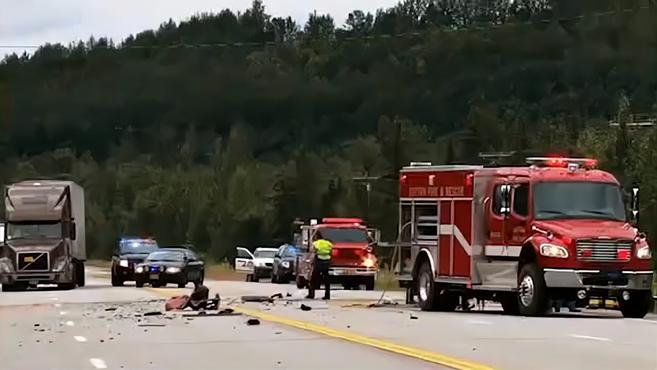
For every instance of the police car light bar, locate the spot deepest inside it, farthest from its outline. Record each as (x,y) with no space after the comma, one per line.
(563,162)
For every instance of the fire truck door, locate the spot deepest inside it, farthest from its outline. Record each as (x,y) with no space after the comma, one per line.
(516,222)
(496,218)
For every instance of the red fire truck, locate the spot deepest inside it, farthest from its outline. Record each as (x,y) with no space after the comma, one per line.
(554,229)
(353,262)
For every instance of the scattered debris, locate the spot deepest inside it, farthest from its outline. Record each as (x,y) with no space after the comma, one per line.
(256,298)
(252,322)
(110,309)
(288,294)
(36,325)
(277,295)
(102,341)
(151,325)
(348,326)
(153,313)
(413,317)
(226,311)
(303,307)
(278,332)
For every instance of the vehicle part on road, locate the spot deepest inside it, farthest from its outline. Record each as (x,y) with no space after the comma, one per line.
(257,298)
(251,322)
(303,307)
(554,229)
(151,325)
(153,313)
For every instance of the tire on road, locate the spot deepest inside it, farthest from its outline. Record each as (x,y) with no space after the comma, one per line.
(81,275)
(71,285)
(16,287)
(301,282)
(637,306)
(369,283)
(139,283)
(509,302)
(116,281)
(429,298)
(532,291)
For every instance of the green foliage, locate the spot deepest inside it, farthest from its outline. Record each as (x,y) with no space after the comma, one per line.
(227,144)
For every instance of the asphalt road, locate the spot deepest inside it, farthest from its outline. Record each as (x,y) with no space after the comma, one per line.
(100,326)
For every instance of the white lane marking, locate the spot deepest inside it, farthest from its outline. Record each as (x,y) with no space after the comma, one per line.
(479,322)
(57,305)
(70,323)
(80,338)
(63,313)
(590,337)
(98,363)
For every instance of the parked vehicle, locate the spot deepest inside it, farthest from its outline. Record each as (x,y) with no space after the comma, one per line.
(555,229)
(129,253)
(170,266)
(256,265)
(353,262)
(44,236)
(284,264)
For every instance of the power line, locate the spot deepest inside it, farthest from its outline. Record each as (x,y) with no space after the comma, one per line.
(364,37)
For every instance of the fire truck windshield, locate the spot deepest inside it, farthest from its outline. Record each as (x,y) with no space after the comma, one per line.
(578,200)
(344,235)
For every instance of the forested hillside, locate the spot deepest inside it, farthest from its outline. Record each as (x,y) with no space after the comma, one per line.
(222,129)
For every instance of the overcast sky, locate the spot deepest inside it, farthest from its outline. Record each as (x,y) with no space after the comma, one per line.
(35,22)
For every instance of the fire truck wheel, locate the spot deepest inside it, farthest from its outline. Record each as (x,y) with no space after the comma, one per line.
(369,284)
(426,292)
(301,282)
(637,306)
(532,291)
(81,274)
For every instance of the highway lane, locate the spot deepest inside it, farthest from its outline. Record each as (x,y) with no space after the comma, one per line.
(99,327)
(85,336)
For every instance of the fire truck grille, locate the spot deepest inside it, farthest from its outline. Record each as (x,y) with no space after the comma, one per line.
(604,250)
(32,261)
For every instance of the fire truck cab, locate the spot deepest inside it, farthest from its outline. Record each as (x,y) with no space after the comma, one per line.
(554,229)
(353,262)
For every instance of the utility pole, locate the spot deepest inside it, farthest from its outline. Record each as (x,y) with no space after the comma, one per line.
(367,182)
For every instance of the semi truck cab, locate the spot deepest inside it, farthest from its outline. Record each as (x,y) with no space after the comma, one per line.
(44,235)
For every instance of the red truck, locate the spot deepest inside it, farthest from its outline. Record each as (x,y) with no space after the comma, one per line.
(353,262)
(526,236)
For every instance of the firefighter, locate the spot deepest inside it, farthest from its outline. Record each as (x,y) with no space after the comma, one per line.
(321,263)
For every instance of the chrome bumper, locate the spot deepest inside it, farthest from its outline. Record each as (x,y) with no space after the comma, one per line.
(352,271)
(595,279)
(35,278)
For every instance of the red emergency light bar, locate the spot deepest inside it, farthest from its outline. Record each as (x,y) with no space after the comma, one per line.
(336,220)
(562,162)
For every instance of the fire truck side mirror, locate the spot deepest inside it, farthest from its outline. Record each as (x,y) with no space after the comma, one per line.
(505,204)
(374,236)
(634,204)
(2,233)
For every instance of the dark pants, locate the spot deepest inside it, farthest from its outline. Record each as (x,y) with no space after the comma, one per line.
(320,275)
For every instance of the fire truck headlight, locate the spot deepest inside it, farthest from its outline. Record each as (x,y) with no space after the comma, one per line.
(552,250)
(124,263)
(643,251)
(139,269)
(369,262)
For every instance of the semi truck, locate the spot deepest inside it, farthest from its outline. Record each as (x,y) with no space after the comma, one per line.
(353,263)
(553,229)
(43,241)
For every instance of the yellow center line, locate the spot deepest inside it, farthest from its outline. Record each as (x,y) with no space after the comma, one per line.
(433,357)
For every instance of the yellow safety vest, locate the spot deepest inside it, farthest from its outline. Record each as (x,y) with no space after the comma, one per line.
(323,249)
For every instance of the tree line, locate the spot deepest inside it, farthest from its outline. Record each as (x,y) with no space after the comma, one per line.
(221,129)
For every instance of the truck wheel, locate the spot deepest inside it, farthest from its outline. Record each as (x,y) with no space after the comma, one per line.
(301,282)
(274,278)
(16,287)
(182,285)
(283,279)
(255,278)
(638,305)
(139,283)
(81,274)
(369,283)
(532,291)
(426,289)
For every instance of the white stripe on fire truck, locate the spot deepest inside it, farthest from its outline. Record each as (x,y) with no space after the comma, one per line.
(490,250)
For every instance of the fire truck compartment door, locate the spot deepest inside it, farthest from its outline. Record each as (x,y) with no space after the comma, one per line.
(244,261)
